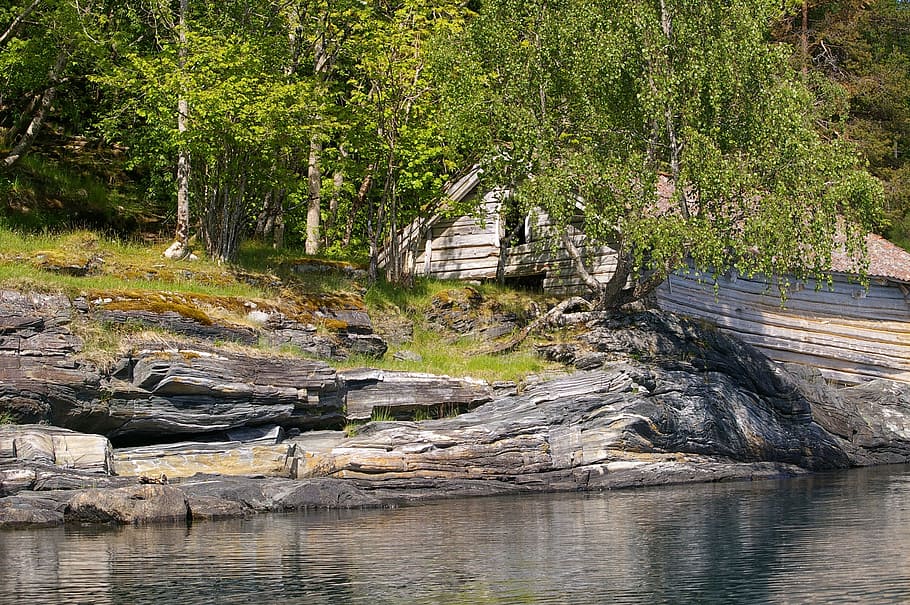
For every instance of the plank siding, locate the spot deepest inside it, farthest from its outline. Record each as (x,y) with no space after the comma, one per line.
(849,335)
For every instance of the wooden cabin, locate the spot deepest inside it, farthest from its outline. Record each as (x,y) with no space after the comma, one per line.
(488,246)
(850,333)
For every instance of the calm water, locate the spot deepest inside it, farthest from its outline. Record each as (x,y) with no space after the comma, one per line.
(842,538)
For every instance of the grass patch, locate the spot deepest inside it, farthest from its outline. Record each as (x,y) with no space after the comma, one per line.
(381,415)
(458,359)
(131,275)
(72,189)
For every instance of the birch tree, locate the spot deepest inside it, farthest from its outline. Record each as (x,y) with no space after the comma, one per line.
(676,130)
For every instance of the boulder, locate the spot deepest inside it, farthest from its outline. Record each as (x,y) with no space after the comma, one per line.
(677,400)
(186,459)
(872,419)
(252,494)
(159,392)
(29,512)
(135,504)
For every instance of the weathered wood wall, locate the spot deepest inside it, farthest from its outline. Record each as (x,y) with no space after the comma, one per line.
(465,247)
(852,335)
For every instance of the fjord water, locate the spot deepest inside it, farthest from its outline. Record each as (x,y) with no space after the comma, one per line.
(833,538)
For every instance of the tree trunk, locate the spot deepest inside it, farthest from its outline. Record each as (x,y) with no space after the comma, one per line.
(804,39)
(314,176)
(224,187)
(359,201)
(17,21)
(180,247)
(37,121)
(337,186)
(590,281)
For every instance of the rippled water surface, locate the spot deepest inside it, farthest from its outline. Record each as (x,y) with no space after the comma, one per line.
(841,538)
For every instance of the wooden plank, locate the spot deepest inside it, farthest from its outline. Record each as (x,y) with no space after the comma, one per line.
(815,303)
(468,241)
(461,265)
(890,297)
(736,305)
(848,351)
(467,274)
(847,370)
(870,336)
(456,254)
(854,349)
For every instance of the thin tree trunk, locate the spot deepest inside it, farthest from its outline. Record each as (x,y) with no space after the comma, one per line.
(805,38)
(666,24)
(337,186)
(322,68)
(34,127)
(182,234)
(22,121)
(362,193)
(590,281)
(314,175)
(19,19)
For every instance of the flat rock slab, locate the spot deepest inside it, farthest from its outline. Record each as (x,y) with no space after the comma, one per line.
(55,446)
(403,393)
(187,459)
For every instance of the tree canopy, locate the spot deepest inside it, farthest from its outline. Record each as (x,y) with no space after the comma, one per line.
(678,131)
(674,128)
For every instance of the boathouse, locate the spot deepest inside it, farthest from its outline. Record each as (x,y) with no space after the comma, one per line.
(851,333)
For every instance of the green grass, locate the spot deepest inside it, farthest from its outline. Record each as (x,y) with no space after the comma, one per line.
(458,359)
(381,415)
(76,190)
(31,261)
(125,265)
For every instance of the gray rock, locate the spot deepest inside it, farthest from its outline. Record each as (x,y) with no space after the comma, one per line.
(128,505)
(50,445)
(187,392)
(403,393)
(20,512)
(209,508)
(176,323)
(872,420)
(689,404)
(407,356)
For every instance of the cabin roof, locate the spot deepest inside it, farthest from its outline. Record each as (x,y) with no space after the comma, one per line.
(886,260)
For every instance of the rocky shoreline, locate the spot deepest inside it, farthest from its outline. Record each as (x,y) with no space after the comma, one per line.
(654,399)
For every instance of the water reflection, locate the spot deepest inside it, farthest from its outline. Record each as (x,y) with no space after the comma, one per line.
(839,538)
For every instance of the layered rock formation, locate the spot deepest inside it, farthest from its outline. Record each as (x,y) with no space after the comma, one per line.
(662,400)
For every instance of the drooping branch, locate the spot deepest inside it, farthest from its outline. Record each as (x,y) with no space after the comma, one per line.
(590,281)
(47,101)
(550,318)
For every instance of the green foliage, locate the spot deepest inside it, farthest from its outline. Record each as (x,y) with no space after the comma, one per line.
(859,53)
(677,127)
(380,414)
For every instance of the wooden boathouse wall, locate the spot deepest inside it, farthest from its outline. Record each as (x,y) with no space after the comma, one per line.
(852,335)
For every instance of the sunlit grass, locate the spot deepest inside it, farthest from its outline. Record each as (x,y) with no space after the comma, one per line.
(39,262)
(459,358)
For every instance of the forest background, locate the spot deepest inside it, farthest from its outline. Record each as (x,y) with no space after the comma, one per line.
(329,124)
